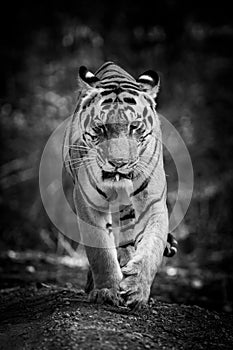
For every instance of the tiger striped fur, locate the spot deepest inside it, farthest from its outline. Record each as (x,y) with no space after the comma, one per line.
(113,151)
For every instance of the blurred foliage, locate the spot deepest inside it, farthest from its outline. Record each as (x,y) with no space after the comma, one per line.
(191,48)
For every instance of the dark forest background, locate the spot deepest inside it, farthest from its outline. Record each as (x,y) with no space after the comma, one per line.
(190,44)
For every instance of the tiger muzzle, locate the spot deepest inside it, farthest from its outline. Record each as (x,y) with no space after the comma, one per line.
(116,175)
(119,158)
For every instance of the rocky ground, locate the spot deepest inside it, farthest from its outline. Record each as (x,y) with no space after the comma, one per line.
(45,317)
(43,306)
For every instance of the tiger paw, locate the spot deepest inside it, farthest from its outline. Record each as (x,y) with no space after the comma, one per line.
(105,296)
(135,287)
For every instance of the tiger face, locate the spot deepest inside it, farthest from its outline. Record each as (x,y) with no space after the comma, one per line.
(117,125)
(117,153)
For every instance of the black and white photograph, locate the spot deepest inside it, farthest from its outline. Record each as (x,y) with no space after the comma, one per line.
(116,175)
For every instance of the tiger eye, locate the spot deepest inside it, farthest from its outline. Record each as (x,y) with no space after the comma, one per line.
(135,124)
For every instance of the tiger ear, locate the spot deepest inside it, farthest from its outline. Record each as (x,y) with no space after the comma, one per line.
(86,79)
(150,82)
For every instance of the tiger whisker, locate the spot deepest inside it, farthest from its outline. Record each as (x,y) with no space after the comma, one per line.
(143,162)
(81,149)
(82,160)
(146,157)
(146,171)
(144,166)
(87,165)
(143,171)
(76,146)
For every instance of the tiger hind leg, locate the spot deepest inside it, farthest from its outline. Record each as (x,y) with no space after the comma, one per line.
(90,283)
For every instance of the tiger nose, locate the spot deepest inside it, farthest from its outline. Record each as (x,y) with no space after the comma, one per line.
(117,163)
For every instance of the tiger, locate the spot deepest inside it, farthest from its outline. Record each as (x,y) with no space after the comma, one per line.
(113,151)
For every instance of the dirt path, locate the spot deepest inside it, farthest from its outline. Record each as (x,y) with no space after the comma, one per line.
(43,317)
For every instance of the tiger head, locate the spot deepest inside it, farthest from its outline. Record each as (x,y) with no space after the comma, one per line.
(115,126)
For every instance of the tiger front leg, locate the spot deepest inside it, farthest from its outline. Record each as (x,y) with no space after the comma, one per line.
(106,274)
(139,273)
(102,256)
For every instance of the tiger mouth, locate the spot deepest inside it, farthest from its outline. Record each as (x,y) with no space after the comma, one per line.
(116,175)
